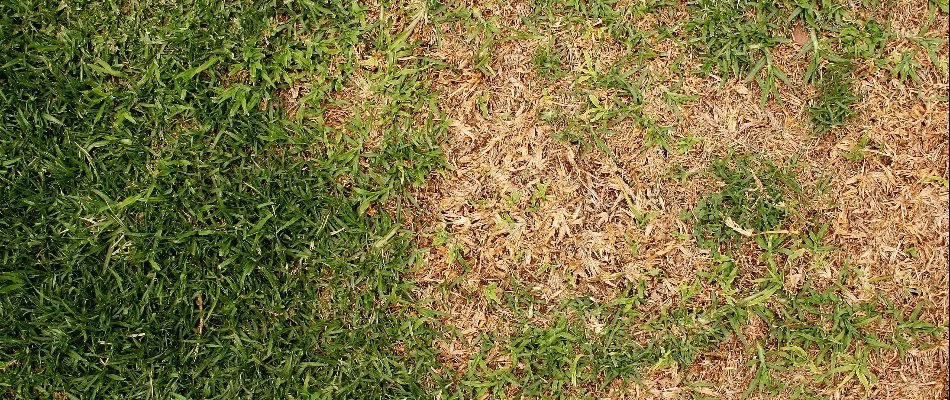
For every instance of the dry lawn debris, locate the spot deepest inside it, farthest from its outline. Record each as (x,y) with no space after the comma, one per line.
(517,207)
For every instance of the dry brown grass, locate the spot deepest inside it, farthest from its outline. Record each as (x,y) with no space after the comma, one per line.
(878,207)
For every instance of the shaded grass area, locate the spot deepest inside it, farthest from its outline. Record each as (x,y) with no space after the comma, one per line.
(168,231)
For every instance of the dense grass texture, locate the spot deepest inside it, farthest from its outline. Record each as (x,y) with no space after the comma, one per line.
(167,230)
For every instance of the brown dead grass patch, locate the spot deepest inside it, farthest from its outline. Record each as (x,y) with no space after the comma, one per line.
(576,241)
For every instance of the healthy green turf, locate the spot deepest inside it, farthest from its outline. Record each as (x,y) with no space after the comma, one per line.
(166,230)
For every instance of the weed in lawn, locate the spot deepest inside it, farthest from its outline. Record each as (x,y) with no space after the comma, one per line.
(866,40)
(489,30)
(821,15)
(675,100)
(905,66)
(933,46)
(859,150)
(619,20)
(538,196)
(684,145)
(581,134)
(942,5)
(578,11)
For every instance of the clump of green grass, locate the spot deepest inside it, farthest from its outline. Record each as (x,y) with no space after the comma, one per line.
(756,197)
(836,98)
(548,63)
(819,14)
(735,39)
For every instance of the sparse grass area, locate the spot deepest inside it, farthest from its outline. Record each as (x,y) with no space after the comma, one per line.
(641,199)
(815,336)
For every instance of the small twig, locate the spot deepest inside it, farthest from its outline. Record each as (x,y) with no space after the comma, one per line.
(201,318)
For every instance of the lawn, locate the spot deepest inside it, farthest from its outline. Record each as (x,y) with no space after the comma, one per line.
(532,199)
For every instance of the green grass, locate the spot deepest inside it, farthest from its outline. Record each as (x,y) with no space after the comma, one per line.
(733,36)
(836,99)
(735,40)
(547,62)
(820,14)
(758,196)
(168,231)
